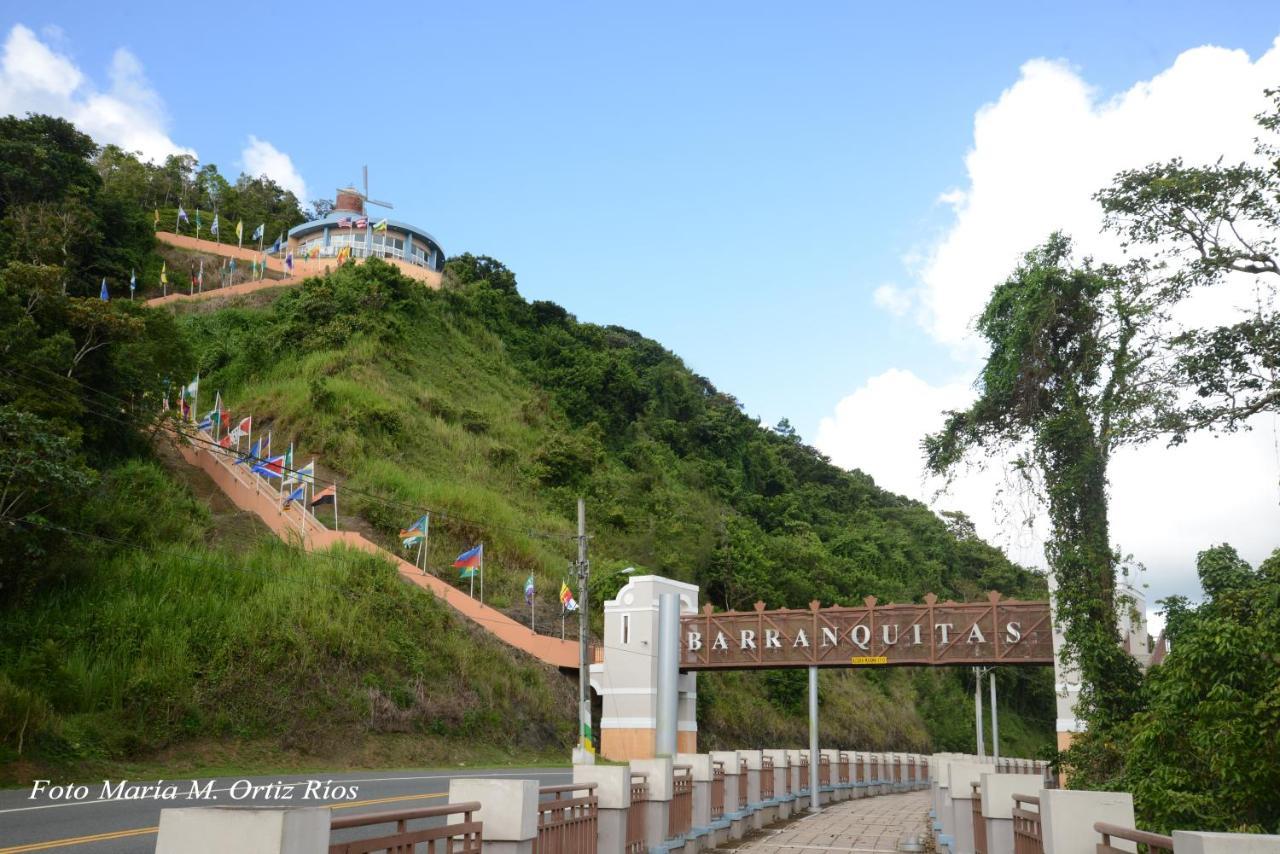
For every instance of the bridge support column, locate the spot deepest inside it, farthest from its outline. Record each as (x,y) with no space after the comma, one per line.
(815,796)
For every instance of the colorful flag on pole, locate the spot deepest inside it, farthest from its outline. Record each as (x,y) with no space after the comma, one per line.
(164,272)
(102,294)
(275,247)
(242,429)
(225,441)
(288,261)
(566,598)
(251,454)
(362,222)
(182,215)
(328,495)
(213,229)
(344,222)
(273,467)
(528,589)
(240,231)
(306,474)
(258,232)
(411,535)
(133,280)
(380,225)
(295,495)
(469,561)
(192,388)
(156,224)
(197,218)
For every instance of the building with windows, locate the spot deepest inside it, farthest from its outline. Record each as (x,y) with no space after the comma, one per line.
(348,226)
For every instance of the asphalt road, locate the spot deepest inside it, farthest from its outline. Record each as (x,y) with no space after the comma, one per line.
(94,825)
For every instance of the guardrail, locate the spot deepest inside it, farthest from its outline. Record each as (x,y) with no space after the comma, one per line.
(717,791)
(635,813)
(804,774)
(743,800)
(766,779)
(1027,835)
(824,770)
(680,814)
(846,772)
(462,837)
(979,823)
(566,825)
(1155,842)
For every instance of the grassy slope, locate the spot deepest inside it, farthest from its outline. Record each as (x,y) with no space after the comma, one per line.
(447,419)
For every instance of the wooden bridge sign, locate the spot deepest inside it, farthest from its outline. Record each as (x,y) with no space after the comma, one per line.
(931,634)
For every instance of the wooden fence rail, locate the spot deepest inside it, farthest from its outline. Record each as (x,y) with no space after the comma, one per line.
(459,837)
(680,814)
(1027,837)
(1155,842)
(567,821)
(717,791)
(766,779)
(979,823)
(635,813)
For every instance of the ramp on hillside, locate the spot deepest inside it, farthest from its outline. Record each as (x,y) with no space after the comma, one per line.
(297,525)
(303,268)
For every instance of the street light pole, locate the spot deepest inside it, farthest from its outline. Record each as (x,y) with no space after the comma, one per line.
(585,753)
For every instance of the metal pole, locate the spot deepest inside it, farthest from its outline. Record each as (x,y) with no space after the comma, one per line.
(586,749)
(995,720)
(977,710)
(668,652)
(815,796)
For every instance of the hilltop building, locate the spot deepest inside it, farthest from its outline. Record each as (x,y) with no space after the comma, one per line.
(349,226)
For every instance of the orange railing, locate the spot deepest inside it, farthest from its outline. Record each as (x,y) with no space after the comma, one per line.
(460,837)
(635,813)
(717,791)
(742,785)
(567,822)
(979,823)
(1154,841)
(680,814)
(766,779)
(824,770)
(804,773)
(1027,837)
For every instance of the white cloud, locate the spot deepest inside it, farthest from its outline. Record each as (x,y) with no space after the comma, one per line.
(1039,153)
(36,78)
(262,158)
(892,299)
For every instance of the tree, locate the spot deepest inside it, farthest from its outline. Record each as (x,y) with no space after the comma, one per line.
(1069,378)
(1200,225)
(1205,750)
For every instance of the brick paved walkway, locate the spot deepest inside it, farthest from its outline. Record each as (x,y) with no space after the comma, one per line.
(852,827)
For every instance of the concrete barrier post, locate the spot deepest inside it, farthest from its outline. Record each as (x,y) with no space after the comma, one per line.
(1064,814)
(997,806)
(755,767)
(1196,842)
(508,811)
(837,791)
(960,779)
(251,830)
(660,791)
(613,802)
(732,772)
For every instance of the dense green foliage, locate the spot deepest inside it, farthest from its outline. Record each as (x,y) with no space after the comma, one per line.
(493,412)
(175,638)
(1204,751)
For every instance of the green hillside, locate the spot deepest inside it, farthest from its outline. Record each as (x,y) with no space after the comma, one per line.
(144,620)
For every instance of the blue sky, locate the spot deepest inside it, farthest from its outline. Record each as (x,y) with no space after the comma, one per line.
(760,187)
(733,180)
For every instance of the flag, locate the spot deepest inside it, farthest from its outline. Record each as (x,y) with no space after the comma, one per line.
(213,229)
(157,222)
(164,272)
(296,495)
(273,467)
(182,215)
(415,532)
(225,441)
(528,589)
(185,409)
(362,222)
(206,423)
(192,388)
(240,230)
(133,280)
(469,560)
(251,454)
(197,217)
(306,474)
(275,247)
(328,495)
(288,261)
(344,222)
(242,429)
(200,278)
(102,294)
(380,225)
(566,598)
(257,232)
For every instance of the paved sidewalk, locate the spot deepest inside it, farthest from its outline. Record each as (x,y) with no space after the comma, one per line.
(866,825)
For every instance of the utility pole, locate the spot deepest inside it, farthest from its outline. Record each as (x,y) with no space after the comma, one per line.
(995,719)
(585,753)
(977,711)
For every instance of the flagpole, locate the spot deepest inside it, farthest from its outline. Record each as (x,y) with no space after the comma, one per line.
(418,562)
(426,543)
(482,572)
(335,507)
